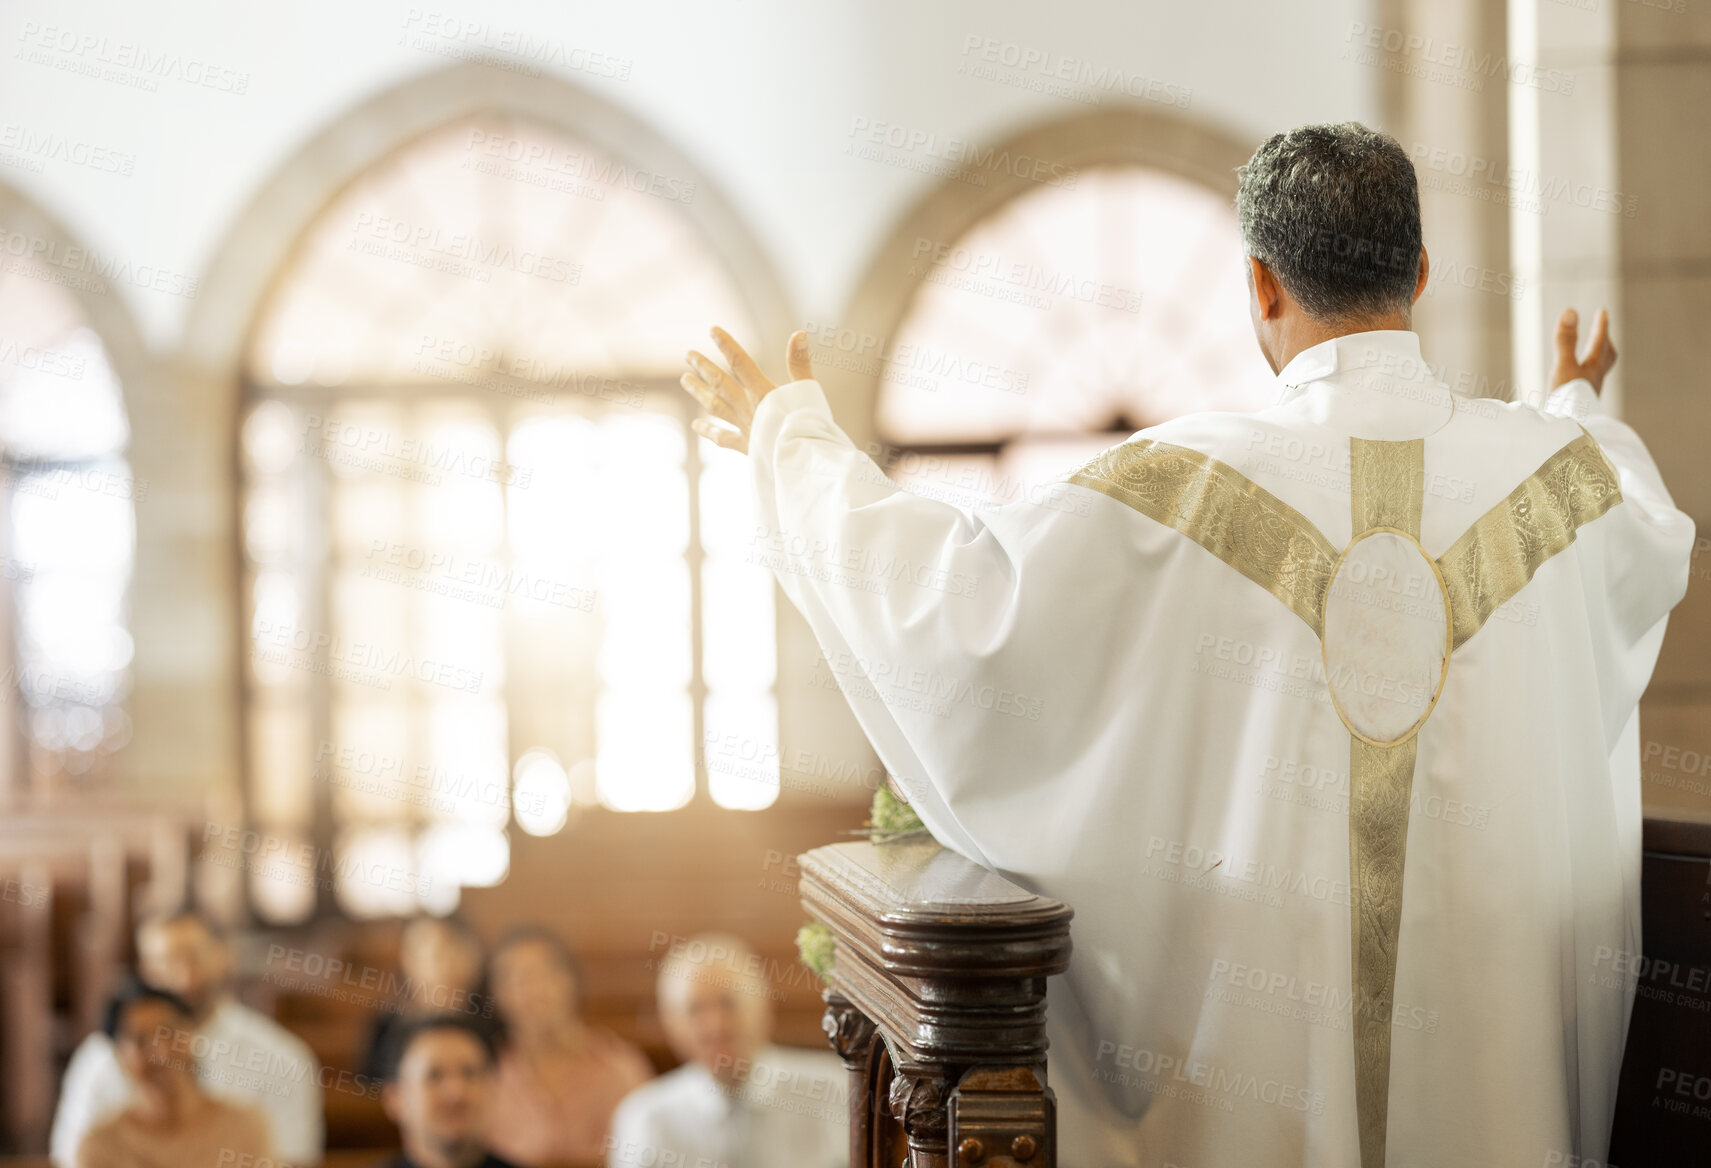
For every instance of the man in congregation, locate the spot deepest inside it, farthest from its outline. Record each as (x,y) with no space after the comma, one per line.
(439,1091)
(242,1056)
(1337,755)
(738,1101)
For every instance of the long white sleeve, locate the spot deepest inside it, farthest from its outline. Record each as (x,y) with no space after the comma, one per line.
(1645,548)
(950,632)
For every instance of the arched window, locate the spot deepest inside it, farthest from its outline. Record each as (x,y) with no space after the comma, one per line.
(489,575)
(1059,319)
(69,536)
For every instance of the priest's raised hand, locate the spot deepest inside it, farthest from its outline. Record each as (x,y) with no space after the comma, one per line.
(731,396)
(1600,351)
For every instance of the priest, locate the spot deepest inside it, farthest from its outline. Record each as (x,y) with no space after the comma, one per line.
(1335,749)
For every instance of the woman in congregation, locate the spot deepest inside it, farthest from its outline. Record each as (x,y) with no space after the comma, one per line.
(559,1078)
(171,1122)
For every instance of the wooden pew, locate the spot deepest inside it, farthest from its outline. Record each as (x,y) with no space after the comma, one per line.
(72,881)
(26,979)
(1663,1103)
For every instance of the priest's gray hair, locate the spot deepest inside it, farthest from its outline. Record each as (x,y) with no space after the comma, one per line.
(1334,212)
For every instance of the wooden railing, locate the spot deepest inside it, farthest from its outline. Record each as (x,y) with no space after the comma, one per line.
(67,907)
(936,1002)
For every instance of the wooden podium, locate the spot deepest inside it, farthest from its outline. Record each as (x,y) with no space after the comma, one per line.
(937,1004)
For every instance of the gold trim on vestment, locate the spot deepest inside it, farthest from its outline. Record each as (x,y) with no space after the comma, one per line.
(1386,493)
(1225,512)
(1496,557)
(1387,486)
(1278,548)
(1381,783)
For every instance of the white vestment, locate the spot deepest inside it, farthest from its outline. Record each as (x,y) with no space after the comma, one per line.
(1150,691)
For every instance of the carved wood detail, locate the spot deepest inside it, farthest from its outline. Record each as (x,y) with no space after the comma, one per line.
(936,1003)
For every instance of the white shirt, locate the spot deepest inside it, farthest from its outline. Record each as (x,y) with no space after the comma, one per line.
(1079,693)
(792,1111)
(241,1056)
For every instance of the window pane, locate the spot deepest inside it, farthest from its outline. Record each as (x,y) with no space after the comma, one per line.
(281,774)
(362,439)
(737,642)
(645,760)
(370,523)
(644,500)
(741,753)
(71,550)
(272,436)
(271,525)
(1067,307)
(458,508)
(552,513)
(727,505)
(541,794)
(469,771)
(376,873)
(279,656)
(282,884)
(62,401)
(470,855)
(450,264)
(455,647)
(369,645)
(646,632)
(368,765)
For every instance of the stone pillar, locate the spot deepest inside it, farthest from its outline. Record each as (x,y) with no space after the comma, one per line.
(1660,101)
(1446,100)
(1611,165)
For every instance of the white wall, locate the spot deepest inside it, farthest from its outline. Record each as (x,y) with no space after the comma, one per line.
(763,94)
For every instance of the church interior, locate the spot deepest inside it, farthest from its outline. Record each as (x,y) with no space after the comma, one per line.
(361,569)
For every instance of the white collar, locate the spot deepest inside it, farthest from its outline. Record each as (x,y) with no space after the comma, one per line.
(1376,382)
(1396,352)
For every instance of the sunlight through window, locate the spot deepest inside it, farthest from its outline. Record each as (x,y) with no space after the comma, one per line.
(475,585)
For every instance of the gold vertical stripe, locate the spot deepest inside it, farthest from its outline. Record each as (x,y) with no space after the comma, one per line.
(1387,484)
(1496,557)
(1225,512)
(1381,781)
(1386,489)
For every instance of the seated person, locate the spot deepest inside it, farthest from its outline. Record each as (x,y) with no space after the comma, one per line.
(170,1120)
(242,1056)
(439,1088)
(441,961)
(559,1078)
(737,1101)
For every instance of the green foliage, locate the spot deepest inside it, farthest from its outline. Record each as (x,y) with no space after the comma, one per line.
(891,818)
(814,947)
